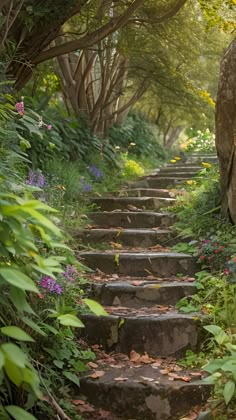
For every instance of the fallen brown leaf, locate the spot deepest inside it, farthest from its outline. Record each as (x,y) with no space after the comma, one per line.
(134,356)
(97,374)
(146,359)
(78,402)
(121,379)
(92,365)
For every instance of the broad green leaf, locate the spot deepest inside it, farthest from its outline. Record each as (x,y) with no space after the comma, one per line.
(58,363)
(214,365)
(33,325)
(2,359)
(14,354)
(70,321)
(18,299)
(228,392)
(18,279)
(13,372)
(95,307)
(16,333)
(72,377)
(213,329)
(18,413)
(30,377)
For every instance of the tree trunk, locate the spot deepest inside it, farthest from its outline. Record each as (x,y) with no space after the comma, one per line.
(226,131)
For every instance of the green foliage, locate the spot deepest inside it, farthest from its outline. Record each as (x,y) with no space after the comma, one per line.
(198,141)
(222,369)
(29,247)
(198,208)
(137,136)
(131,169)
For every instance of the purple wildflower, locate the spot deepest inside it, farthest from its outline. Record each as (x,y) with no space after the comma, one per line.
(95,171)
(36,179)
(85,186)
(70,273)
(51,285)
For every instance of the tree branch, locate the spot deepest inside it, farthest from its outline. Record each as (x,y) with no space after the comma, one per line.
(91,38)
(171,13)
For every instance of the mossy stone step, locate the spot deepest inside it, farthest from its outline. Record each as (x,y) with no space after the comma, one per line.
(161,182)
(139,238)
(126,294)
(141,192)
(148,203)
(178,169)
(138,264)
(128,219)
(136,398)
(171,174)
(160,335)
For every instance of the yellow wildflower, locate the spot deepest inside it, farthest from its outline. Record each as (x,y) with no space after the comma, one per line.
(190,182)
(206,165)
(177,158)
(60,187)
(172,161)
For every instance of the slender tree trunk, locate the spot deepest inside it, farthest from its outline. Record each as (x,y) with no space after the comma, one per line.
(226,131)
(173,136)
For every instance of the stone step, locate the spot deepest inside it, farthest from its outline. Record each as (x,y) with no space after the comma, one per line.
(177,169)
(128,219)
(210,159)
(158,334)
(123,293)
(158,182)
(139,264)
(204,155)
(128,237)
(186,165)
(172,174)
(139,399)
(141,192)
(146,203)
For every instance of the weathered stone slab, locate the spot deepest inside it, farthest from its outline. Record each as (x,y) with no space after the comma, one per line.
(146,203)
(139,238)
(138,399)
(146,192)
(164,335)
(141,264)
(126,294)
(130,219)
(161,182)
(178,169)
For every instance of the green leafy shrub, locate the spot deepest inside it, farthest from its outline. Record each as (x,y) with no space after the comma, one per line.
(199,141)
(137,136)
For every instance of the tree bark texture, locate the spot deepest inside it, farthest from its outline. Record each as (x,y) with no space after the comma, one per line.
(226,131)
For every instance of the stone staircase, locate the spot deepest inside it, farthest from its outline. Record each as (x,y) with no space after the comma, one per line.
(139,282)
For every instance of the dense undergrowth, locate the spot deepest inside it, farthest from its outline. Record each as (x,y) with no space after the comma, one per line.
(213,243)
(50,168)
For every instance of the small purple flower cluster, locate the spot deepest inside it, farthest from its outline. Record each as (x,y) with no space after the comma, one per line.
(95,171)
(51,285)
(86,187)
(37,179)
(70,273)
